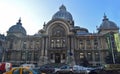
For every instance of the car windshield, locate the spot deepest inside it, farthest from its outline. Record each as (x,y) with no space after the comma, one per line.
(25,71)
(17,71)
(65,67)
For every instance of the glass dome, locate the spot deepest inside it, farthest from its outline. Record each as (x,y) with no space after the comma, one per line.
(106,24)
(17,28)
(63,14)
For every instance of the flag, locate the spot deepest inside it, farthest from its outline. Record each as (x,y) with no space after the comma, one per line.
(117,41)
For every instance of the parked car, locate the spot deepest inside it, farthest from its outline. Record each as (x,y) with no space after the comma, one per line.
(64,69)
(36,69)
(81,69)
(21,70)
(28,65)
(46,69)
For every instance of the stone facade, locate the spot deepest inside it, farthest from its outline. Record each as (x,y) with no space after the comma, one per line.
(60,41)
(2,45)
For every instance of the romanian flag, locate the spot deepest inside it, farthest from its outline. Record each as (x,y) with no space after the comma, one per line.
(117,41)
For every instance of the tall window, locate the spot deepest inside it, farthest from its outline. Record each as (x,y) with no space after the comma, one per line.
(81,44)
(23,56)
(24,45)
(57,42)
(95,42)
(81,55)
(88,42)
(63,42)
(11,44)
(51,56)
(89,56)
(37,45)
(31,44)
(36,56)
(97,56)
(63,56)
(29,56)
(52,43)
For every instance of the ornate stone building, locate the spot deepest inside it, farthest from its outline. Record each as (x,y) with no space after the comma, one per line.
(60,41)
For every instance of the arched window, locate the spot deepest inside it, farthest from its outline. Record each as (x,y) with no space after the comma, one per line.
(58,31)
(58,35)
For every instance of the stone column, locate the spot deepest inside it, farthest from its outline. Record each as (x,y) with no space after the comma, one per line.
(70,58)
(45,50)
(43,58)
(72,49)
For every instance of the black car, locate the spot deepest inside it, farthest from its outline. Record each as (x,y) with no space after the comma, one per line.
(46,69)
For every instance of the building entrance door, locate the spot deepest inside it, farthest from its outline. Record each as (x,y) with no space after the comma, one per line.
(57,58)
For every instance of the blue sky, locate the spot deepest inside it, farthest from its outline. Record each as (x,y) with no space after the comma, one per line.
(33,13)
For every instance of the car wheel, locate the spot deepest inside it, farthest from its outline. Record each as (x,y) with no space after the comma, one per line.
(57,72)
